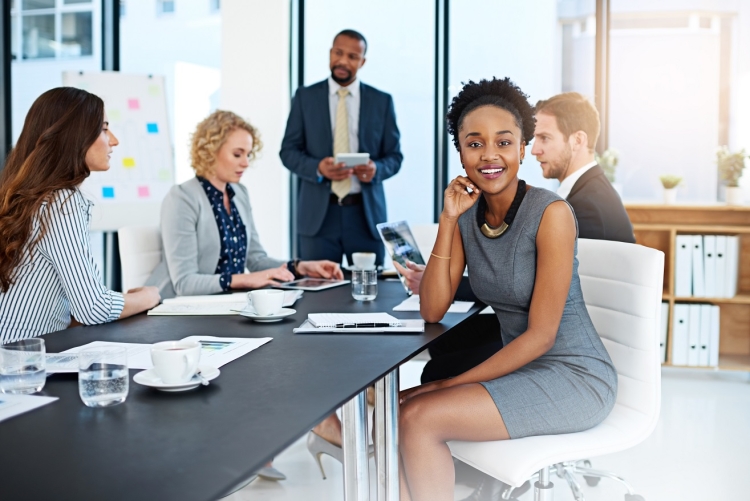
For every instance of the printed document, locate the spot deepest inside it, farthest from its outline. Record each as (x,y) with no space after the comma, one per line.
(412,304)
(215,304)
(13,405)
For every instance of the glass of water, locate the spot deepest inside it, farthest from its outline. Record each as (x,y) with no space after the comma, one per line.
(103,376)
(22,366)
(364,285)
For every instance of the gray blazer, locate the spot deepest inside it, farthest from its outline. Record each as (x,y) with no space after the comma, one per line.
(191,242)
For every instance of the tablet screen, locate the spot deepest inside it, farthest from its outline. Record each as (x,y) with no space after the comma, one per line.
(400,242)
(312,284)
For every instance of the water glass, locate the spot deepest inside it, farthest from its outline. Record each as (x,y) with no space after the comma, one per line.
(103,376)
(22,366)
(364,285)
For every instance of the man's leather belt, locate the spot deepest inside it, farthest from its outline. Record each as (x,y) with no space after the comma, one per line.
(350,199)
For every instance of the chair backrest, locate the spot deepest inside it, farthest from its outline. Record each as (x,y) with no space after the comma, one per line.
(425,235)
(140,252)
(622,287)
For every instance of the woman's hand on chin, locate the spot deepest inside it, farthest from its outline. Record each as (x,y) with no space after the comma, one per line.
(320,269)
(424,388)
(457,199)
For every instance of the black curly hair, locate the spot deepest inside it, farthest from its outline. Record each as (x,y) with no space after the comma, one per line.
(500,93)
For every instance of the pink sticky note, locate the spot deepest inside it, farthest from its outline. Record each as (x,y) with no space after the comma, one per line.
(134,104)
(143,192)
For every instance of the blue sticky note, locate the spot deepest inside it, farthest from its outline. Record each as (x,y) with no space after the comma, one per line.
(108,192)
(152,128)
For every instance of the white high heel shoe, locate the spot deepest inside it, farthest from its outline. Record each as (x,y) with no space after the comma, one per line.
(318,446)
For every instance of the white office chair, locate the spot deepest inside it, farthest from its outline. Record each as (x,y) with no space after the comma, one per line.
(622,287)
(140,252)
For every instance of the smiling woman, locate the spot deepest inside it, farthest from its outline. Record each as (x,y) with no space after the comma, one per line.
(553,374)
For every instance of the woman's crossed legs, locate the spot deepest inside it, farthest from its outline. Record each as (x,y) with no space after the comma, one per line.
(431,419)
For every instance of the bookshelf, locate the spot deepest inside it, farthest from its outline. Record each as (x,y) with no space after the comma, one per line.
(657,226)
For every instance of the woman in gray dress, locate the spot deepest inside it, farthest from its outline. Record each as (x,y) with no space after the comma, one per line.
(553,374)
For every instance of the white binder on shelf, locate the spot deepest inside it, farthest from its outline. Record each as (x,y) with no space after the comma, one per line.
(721,265)
(704,342)
(713,345)
(699,287)
(709,265)
(732,265)
(694,334)
(664,328)
(680,321)
(683,269)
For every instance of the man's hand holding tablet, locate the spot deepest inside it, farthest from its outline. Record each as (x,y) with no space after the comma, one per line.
(362,167)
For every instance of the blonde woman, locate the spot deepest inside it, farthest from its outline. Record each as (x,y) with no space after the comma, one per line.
(208,233)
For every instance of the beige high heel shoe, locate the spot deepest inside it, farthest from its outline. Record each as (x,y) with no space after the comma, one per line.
(318,446)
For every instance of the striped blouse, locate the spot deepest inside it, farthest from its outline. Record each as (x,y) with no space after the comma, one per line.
(60,278)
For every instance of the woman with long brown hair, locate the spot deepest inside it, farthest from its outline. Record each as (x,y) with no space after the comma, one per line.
(47,272)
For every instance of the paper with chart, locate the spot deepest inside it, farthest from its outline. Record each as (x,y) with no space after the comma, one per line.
(216,352)
(13,405)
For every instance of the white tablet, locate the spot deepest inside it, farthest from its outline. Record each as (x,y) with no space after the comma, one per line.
(352,160)
(401,245)
(311,284)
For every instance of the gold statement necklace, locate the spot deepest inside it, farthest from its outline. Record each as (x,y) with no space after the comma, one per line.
(487,230)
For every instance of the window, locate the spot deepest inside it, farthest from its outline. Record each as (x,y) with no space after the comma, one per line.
(544,48)
(39,36)
(76,34)
(215,5)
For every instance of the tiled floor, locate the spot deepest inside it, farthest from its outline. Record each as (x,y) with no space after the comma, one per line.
(700,450)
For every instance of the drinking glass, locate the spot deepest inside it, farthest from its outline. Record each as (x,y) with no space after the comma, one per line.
(22,366)
(103,376)
(364,285)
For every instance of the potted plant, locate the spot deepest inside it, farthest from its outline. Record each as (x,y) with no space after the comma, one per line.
(670,183)
(730,170)
(608,162)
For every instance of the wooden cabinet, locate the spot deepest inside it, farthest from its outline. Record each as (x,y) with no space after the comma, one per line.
(657,226)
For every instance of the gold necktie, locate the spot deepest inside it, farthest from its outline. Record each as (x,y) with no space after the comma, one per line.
(341,142)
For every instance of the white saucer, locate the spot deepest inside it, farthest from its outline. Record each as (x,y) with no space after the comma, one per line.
(282,313)
(150,378)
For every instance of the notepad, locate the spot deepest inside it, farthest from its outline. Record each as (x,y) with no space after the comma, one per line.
(412,304)
(333,320)
(411,326)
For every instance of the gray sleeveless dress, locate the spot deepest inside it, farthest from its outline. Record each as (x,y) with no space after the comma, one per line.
(573,386)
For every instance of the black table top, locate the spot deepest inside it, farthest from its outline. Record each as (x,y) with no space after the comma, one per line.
(201,443)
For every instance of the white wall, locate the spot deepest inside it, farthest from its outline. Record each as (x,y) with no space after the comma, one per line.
(255,85)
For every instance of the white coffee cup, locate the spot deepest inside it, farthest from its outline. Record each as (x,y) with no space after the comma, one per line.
(364,260)
(176,361)
(267,302)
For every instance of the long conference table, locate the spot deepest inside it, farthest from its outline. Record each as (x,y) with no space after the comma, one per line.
(204,443)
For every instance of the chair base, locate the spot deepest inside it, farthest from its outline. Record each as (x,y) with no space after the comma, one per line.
(544,488)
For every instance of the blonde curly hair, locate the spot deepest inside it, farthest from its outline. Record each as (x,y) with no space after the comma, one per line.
(211,134)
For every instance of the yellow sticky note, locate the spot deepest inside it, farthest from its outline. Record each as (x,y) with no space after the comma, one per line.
(164,175)
(128,162)
(114,115)
(154,90)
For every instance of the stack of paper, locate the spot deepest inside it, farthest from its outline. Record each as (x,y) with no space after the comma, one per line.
(217,304)
(412,304)
(359,323)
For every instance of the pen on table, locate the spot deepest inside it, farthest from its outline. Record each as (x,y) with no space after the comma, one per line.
(364,325)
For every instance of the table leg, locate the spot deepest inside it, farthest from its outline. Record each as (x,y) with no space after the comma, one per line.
(386,436)
(356,457)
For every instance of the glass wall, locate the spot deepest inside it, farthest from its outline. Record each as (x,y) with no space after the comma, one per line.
(543,46)
(678,90)
(48,38)
(182,41)
(400,61)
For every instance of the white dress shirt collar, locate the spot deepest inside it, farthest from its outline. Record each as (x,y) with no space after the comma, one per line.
(333,87)
(567,185)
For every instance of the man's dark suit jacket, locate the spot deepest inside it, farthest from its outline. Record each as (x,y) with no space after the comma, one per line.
(598,208)
(308,139)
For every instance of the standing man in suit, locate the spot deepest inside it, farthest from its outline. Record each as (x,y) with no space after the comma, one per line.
(567,127)
(338,207)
